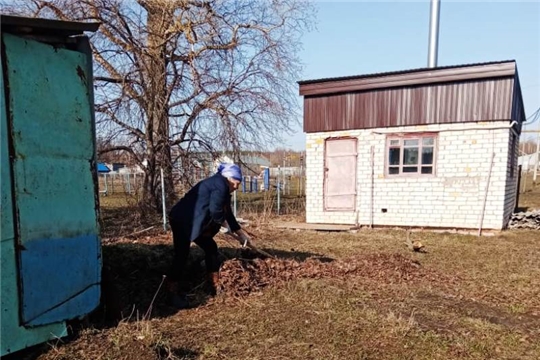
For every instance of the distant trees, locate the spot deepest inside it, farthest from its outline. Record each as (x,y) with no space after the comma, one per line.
(286,157)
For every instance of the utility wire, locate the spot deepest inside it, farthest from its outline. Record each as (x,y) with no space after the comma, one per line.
(533,118)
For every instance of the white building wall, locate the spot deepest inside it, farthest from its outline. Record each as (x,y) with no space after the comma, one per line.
(453,198)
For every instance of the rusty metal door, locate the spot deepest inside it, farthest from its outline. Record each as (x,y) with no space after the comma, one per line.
(340,174)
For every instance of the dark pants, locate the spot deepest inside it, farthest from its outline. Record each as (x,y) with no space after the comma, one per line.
(182,245)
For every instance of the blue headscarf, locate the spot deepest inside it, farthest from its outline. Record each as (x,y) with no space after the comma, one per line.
(230,171)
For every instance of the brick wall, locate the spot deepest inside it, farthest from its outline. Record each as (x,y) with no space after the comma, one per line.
(453,198)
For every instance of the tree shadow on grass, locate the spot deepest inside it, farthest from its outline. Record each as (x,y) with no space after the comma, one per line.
(134,274)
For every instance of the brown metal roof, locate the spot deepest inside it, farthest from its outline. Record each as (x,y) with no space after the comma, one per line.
(411,77)
(39,26)
(451,94)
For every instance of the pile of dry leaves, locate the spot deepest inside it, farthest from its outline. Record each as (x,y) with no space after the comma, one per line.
(240,277)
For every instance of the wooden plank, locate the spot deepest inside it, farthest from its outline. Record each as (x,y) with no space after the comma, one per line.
(316,227)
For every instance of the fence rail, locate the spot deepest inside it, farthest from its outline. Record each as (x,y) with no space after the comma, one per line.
(282,193)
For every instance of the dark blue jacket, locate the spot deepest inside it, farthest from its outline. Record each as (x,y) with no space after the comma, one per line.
(205,207)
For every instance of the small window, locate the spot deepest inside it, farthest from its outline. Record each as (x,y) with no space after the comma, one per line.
(411,155)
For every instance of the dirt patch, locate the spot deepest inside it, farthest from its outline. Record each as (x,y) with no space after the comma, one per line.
(438,324)
(240,277)
(474,309)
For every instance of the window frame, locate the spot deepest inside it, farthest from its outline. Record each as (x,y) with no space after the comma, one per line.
(409,136)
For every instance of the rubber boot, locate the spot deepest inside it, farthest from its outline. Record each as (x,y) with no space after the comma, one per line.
(177,300)
(213,280)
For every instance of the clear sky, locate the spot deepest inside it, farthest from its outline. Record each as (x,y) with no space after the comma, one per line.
(362,37)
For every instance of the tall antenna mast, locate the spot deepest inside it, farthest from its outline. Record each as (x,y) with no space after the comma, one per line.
(434,33)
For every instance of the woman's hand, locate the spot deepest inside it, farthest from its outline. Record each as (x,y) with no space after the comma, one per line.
(225,224)
(243,237)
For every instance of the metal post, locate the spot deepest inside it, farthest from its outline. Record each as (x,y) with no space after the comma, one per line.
(278,190)
(524,188)
(537,159)
(298,188)
(372,195)
(163,201)
(486,195)
(301,178)
(434,33)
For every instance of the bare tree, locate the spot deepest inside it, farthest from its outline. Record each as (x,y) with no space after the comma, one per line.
(189,75)
(114,152)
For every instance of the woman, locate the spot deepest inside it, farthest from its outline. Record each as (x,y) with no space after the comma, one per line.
(197,218)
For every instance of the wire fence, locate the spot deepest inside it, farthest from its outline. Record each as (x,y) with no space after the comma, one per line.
(528,180)
(273,192)
(120,183)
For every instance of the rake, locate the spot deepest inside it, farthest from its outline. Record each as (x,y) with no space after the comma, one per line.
(248,244)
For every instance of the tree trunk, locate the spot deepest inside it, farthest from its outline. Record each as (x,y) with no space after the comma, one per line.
(157,134)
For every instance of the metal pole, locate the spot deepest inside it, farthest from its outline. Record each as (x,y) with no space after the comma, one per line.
(537,159)
(434,33)
(486,195)
(163,201)
(299,189)
(301,178)
(524,188)
(372,195)
(278,190)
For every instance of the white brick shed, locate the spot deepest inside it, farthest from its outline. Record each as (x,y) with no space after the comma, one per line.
(434,148)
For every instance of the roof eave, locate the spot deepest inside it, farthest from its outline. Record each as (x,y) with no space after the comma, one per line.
(26,25)
(422,77)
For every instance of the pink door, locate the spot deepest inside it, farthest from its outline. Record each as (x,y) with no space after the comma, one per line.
(340,174)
